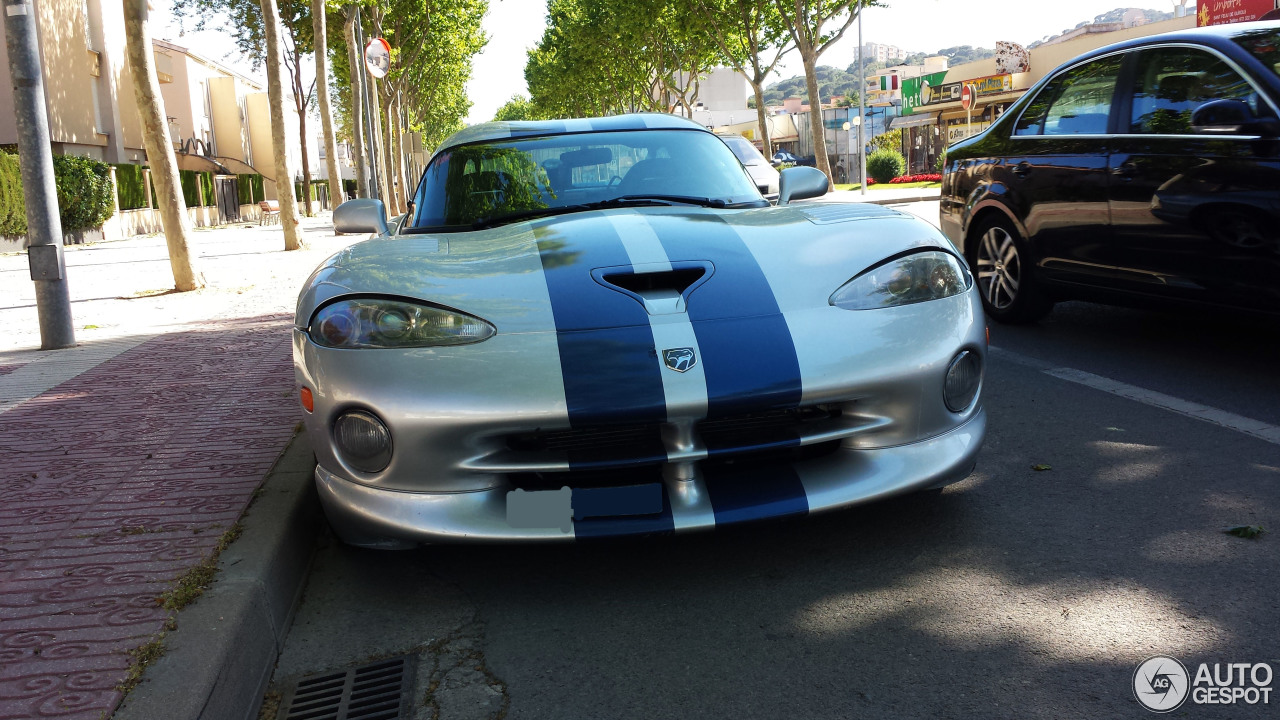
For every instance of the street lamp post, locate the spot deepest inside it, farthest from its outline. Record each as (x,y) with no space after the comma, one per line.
(862,109)
(35,160)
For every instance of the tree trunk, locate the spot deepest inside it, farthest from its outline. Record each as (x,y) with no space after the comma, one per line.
(765,143)
(300,103)
(358,146)
(401,171)
(159,146)
(819,132)
(275,94)
(321,42)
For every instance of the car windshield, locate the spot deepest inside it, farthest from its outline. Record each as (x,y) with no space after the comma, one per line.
(1264,44)
(480,184)
(745,151)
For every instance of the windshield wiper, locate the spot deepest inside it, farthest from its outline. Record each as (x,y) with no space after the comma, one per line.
(682,199)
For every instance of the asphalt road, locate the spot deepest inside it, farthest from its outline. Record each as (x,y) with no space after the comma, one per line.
(1015,594)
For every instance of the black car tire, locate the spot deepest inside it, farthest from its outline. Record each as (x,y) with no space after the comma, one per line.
(1010,291)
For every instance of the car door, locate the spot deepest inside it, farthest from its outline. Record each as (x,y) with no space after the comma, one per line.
(1194,215)
(1056,169)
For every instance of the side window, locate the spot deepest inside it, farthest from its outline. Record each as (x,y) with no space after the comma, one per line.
(1172,82)
(1077,102)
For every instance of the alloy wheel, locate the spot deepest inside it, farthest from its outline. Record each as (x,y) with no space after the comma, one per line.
(999,268)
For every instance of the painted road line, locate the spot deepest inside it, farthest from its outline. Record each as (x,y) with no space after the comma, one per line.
(1239,423)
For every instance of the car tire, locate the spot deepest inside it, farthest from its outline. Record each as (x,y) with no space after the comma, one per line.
(1009,289)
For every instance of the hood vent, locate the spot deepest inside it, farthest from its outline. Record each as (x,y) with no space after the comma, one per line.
(662,290)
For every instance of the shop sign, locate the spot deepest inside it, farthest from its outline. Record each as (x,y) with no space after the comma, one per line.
(1222,12)
(983,86)
(956,133)
(914,90)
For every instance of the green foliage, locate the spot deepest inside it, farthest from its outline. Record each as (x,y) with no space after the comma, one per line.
(190,187)
(206,189)
(831,82)
(891,140)
(885,165)
(13,212)
(84,193)
(602,56)
(249,189)
(131,186)
(348,188)
(517,108)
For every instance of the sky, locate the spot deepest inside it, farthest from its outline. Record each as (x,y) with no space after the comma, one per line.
(514,26)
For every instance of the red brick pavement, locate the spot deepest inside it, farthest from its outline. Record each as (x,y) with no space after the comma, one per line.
(115,483)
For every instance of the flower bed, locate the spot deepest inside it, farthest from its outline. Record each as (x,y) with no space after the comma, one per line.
(924,177)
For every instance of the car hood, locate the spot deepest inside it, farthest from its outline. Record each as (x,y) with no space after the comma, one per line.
(617,268)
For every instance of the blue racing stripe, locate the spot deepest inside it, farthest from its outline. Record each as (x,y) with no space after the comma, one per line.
(748,356)
(607,354)
(745,491)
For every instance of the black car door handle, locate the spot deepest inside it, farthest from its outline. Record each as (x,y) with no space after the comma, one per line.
(1022,169)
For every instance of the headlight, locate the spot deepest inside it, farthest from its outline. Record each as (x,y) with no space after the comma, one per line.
(380,323)
(929,275)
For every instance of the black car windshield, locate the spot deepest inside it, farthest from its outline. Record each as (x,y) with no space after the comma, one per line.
(1264,45)
(479,184)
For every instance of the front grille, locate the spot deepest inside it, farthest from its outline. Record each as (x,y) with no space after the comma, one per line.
(613,448)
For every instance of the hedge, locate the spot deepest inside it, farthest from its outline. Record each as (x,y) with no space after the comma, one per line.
(131,186)
(13,214)
(885,165)
(84,193)
(249,189)
(349,188)
(193,183)
(297,189)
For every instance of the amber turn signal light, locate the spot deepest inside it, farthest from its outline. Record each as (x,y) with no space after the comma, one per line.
(308,403)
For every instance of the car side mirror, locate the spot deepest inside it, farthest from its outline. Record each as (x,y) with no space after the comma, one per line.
(360,216)
(1231,117)
(798,183)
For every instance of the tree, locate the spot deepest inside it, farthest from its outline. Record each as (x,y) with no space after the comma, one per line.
(805,20)
(155,137)
(275,95)
(320,34)
(517,108)
(753,38)
(602,56)
(249,33)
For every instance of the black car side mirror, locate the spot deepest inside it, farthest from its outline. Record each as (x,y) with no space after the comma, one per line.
(1232,117)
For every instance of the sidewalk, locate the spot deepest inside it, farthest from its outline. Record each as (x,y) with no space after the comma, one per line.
(127,458)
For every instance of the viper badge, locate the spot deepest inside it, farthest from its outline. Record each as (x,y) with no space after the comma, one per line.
(679,359)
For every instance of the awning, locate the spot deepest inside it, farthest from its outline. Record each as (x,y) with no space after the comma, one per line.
(913,120)
(200,163)
(239,167)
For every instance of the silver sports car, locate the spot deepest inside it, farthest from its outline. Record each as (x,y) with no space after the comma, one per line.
(593,328)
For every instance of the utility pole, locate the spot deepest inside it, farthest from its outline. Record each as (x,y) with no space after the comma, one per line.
(44,227)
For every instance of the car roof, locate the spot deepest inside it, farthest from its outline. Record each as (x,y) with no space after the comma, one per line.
(528,128)
(1213,35)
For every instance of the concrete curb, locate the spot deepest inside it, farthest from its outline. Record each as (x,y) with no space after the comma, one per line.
(219,660)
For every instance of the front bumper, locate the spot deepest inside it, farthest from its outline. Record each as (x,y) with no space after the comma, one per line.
(373,517)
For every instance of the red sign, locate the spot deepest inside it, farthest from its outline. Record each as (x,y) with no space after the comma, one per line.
(1221,12)
(966,97)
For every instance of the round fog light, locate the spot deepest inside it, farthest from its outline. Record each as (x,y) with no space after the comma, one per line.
(963,378)
(363,441)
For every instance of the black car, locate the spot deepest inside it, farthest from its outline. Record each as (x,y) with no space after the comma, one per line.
(1145,170)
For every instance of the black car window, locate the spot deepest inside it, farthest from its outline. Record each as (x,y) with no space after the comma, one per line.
(1172,82)
(1077,102)
(1264,45)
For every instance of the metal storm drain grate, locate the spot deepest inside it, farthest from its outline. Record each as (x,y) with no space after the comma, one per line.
(376,691)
